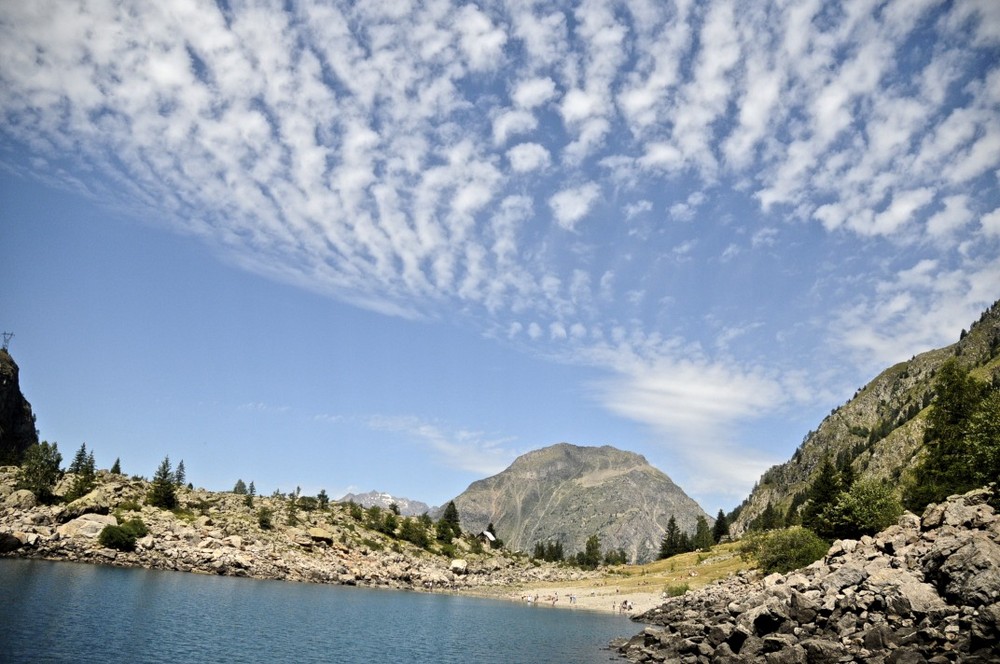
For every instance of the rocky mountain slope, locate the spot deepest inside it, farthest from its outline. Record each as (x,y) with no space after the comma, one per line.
(17,423)
(384,500)
(925,590)
(218,533)
(567,493)
(879,431)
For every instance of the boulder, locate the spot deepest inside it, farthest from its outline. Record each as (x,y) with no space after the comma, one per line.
(320,535)
(971,575)
(22,499)
(9,542)
(88,525)
(97,501)
(459,566)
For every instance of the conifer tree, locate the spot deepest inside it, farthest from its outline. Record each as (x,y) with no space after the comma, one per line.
(591,556)
(821,500)
(448,526)
(85,472)
(163,493)
(953,456)
(324,500)
(669,545)
(116,467)
(240,488)
(721,528)
(702,535)
(181,475)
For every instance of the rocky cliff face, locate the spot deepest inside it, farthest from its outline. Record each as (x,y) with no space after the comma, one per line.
(925,590)
(879,431)
(17,424)
(567,493)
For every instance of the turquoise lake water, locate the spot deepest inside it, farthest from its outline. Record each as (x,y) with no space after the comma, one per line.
(66,612)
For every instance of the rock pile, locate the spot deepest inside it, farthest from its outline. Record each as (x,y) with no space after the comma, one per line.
(217,533)
(925,590)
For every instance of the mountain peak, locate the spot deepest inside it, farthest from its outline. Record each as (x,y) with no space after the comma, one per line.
(567,493)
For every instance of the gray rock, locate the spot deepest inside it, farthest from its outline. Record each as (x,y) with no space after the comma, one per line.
(97,501)
(8,543)
(22,499)
(88,525)
(971,575)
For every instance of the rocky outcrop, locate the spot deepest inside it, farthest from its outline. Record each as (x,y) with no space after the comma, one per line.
(880,430)
(218,533)
(17,423)
(925,590)
(567,493)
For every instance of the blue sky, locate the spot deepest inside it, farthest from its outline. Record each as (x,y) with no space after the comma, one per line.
(394,245)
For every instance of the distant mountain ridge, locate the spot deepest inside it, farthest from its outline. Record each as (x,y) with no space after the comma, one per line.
(567,493)
(406,506)
(879,431)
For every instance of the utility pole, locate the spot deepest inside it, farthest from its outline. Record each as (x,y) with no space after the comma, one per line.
(7,336)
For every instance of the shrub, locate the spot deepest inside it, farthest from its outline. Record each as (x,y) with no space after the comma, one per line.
(117,537)
(783,550)
(265,518)
(135,527)
(867,508)
(677,590)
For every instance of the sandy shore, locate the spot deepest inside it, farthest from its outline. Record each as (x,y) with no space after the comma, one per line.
(595,596)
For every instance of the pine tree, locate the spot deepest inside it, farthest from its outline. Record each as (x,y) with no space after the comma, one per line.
(591,553)
(79,460)
(252,490)
(703,535)
(324,500)
(448,526)
(821,499)
(240,488)
(181,475)
(669,545)
(116,467)
(720,530)
(85,473)
(163,493)
(950,462)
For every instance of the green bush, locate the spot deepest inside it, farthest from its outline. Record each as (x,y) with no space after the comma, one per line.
(783,550)
(265,518)
(117,537)
(677,590)
(135,527)
(868,507)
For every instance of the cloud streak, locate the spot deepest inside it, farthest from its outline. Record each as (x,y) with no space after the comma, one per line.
(422,159)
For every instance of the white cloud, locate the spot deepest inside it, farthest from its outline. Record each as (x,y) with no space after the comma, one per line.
(694,406)
(527,157)
(990,223)
(511,123)
(481,41)
(571,205)
(951,219)
(533,92)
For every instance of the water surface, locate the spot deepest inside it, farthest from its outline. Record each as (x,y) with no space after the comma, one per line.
(67,612)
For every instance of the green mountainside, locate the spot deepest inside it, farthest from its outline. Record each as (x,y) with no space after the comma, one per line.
(879,432)
(565,493)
